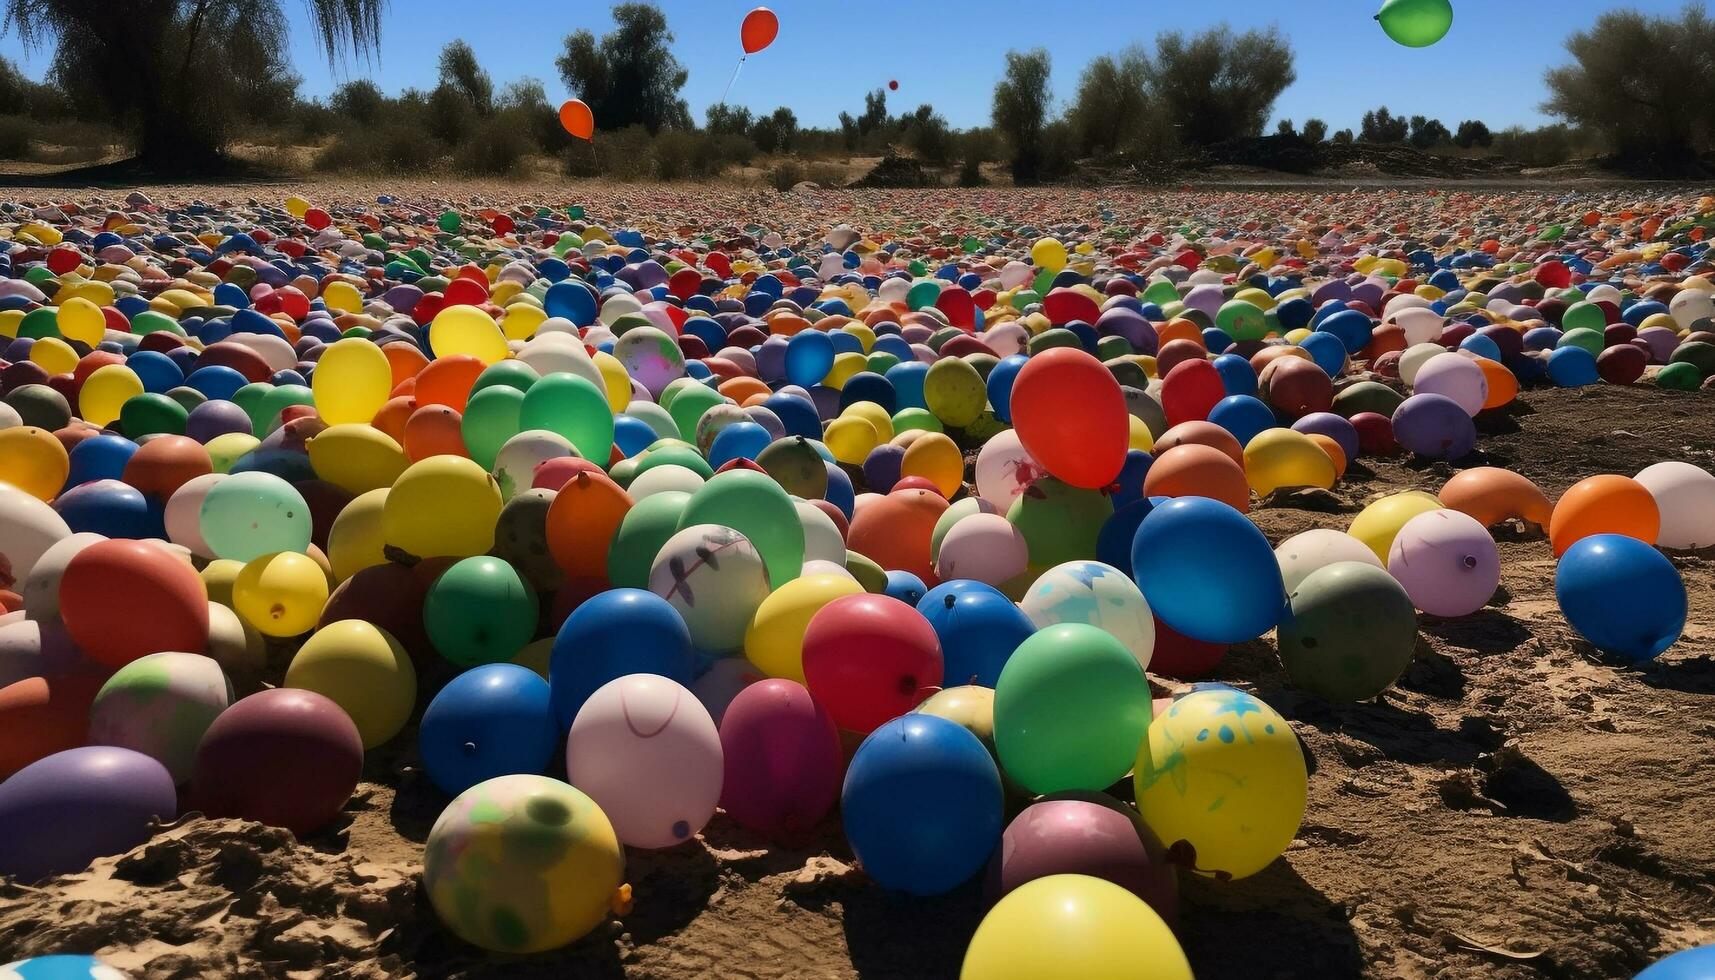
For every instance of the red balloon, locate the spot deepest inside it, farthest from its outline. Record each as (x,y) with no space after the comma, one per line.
(870,658)
(317,218)
(284,757)
(759,29)
(44,715)
(1190,391)
(894,85)
(1177,655)
(166,463)
(577,119)
(782,761)
(1295,387)
(123,599)
(1071,416)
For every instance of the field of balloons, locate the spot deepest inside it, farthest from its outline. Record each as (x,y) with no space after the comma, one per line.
(1058,558)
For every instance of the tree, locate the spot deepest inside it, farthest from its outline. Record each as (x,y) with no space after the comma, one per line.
(526,102)
(727,120)
(164,67)
(874,112)
(630,76)
(1021,109)
(1427,133)
(849,132)
(1315,131)
(1112,100)
(930,136)
(1645,83)
(775,132)
(1285,128)
(1219,85)
(1343,138)
(359,100)
(1382,126)
(461,72)
(1472,132)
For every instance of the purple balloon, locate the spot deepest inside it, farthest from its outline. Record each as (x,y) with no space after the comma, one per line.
(827,401)
(1662,343)
(62,812)
(1370,293)
(1333,289)
(1120,321)
(1434,426)
(216,418)
(771,359)
(1086,834)
(1335,427)
(881,467)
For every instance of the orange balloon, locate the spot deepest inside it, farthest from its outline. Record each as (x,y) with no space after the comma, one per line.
(578,120)
(1202,433)
(743,389)
(447,381)
(43,715)
(1492,495)
(759,29)
(1180,330)
(581,524)
(1606,504)
(1194,470)
(894,531)
(1332,448)
(166,463)
(393,416)
(1503,384)
(434,430)
(405,360)
(1071,416)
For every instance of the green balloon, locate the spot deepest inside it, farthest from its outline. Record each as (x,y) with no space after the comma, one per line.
(656,417)
(490,418)
(623,472)
(1416,23)
(449,221)
(1126,370)
(480,611)
(1108,348)
(1060,523)
(1367,396)
(673,454)
(150,413)
(152,321)
(1680,377)
(922,294)
(642,532)
(248,515)
(37,324)
(868,574)
(40,406)
(511,372)
(1242,320)
(690,404)
(1583,316)
(276,401)
(250,398)
(907,419)
(1053,337)
(796,466)
(879,361)
(1070,710)
(752,504)
(1349,632)
(1161,292)
(1698,354)
(190,398)
(574,407)
(1585,337)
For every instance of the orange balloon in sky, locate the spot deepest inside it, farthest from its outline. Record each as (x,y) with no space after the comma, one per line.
(759,29)
(578,119)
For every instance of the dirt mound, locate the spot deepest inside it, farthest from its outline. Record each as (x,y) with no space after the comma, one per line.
(897,172)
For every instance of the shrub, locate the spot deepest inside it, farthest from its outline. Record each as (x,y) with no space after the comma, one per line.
(1472,132)
(391,148)
(496,148)
(15,134)
(1315,131)
(786,175)
(1549,146)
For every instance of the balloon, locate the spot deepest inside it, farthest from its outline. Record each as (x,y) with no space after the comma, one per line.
(60,966)
(574,408)
(162,465)
(62,812)
(1622,595)
(1284,458)
(44,715)
(467,330)
(1071,416)
(1377,523)
(587,513)
(1492,495)
(493,720)
(1605,504)
(577,119)
(105,392)
(1434,426)
(1302,554)
(33,460)
(1070,708)
(1073,925)
(870,659)
(1689,964)
(755,506)
(283,757)
(122,600)
(1190,469)
(978,629)
(1004,468)
(1446,561)
(647,752)
(1207,571)
(1098,595)
(443,506)
(922,805)
(161,705)
(1416,23)
(937,458)
(352,381)
(480,611)
(28,528)
(716,579)
(758,30)
(1221,782)
(955,392)
(1088,834)
(1049,254)
(1190,391)
(1349,632)
(248,515)
(781,758)
(1685,496)
(1059,523)
(362,669)
(619,632)
(40,590)
(1457,377)
(983,547)
(355,540)
(522,864)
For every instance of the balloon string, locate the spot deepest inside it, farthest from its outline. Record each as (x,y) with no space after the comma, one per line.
(736,69)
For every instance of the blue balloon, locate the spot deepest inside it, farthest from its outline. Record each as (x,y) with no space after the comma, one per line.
(1351,326)
(1245,416)
(809,357)
(493,720)
(907,379)
(1129,484)
(867,386)
(740,440)
(156,370)
(1000,381)
(100,457)
(1327,350)
(1690,964)
(619,632)
(978,627)
(1113,542)
(1572,367)
(905,587)
(1541,338)
(632,435)
(571,300)
(1236,374)
(840,491)
(922,805)
(1295,313)
(798,415)
(844,343)
(115,509)
(1622,595)
(1481,346)
(1207,571)
(61,966)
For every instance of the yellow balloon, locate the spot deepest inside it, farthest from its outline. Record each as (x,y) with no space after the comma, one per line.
(616,382)
(955,392)
(775,640)
(297,207)
(105,392)
(356,457)
(351,381)
(281,594)
(467,330)
(82,321)
(1140,437)
(876,415)
(224,449)
(970,706)
(355,541)
(846,364)
(359,667)
(862,331)
(1073,926)
(521,321)
(1222,773)
(32,460)
(443,506)
(9,322)
(851,438)
(1282,457)
(1049,254)
(938,458)
(342,296)
(55,356)
(219,576)
(1377,524)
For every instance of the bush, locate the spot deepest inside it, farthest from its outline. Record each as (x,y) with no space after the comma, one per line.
(623,154)
(391,148)
(1315,131)
(676,154)
(786,175)
(450,116)
(825,175)
(15,134)
(496,149)
(1473,133)
(1549,146)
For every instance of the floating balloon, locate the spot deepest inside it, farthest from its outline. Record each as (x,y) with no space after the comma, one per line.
(1416,23)
(758,30)
(576,119)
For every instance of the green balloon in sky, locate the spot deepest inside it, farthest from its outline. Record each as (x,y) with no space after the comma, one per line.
(1416,23)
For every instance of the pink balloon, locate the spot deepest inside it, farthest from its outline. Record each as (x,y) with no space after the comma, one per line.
(782,760)
(984,547)
(646,751)
(1446,561)
(1456,376)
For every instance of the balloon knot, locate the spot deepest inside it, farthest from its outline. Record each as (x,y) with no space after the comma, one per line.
(621,904)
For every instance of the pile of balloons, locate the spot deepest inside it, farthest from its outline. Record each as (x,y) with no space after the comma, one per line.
(705,505)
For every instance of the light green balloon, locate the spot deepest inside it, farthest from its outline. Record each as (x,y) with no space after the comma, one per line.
(248,515)
(673,454)
(490,418)
(1071,708)
(1590,340)
(645,528)
(689,405)
(752,504)
(276,401)
(1060,523)
(955,392)
(1416,23)
(1242,320)
(575,408)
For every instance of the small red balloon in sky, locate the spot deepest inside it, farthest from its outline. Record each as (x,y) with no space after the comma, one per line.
(759,29)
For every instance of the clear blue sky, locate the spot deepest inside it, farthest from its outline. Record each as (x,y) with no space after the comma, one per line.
(949,52)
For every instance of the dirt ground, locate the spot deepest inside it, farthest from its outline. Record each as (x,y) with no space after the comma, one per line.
(1515,808)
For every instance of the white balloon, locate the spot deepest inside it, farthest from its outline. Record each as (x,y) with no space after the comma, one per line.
(184,513)
(1685,495)
(41,588)
(28,528)
(1304,553)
